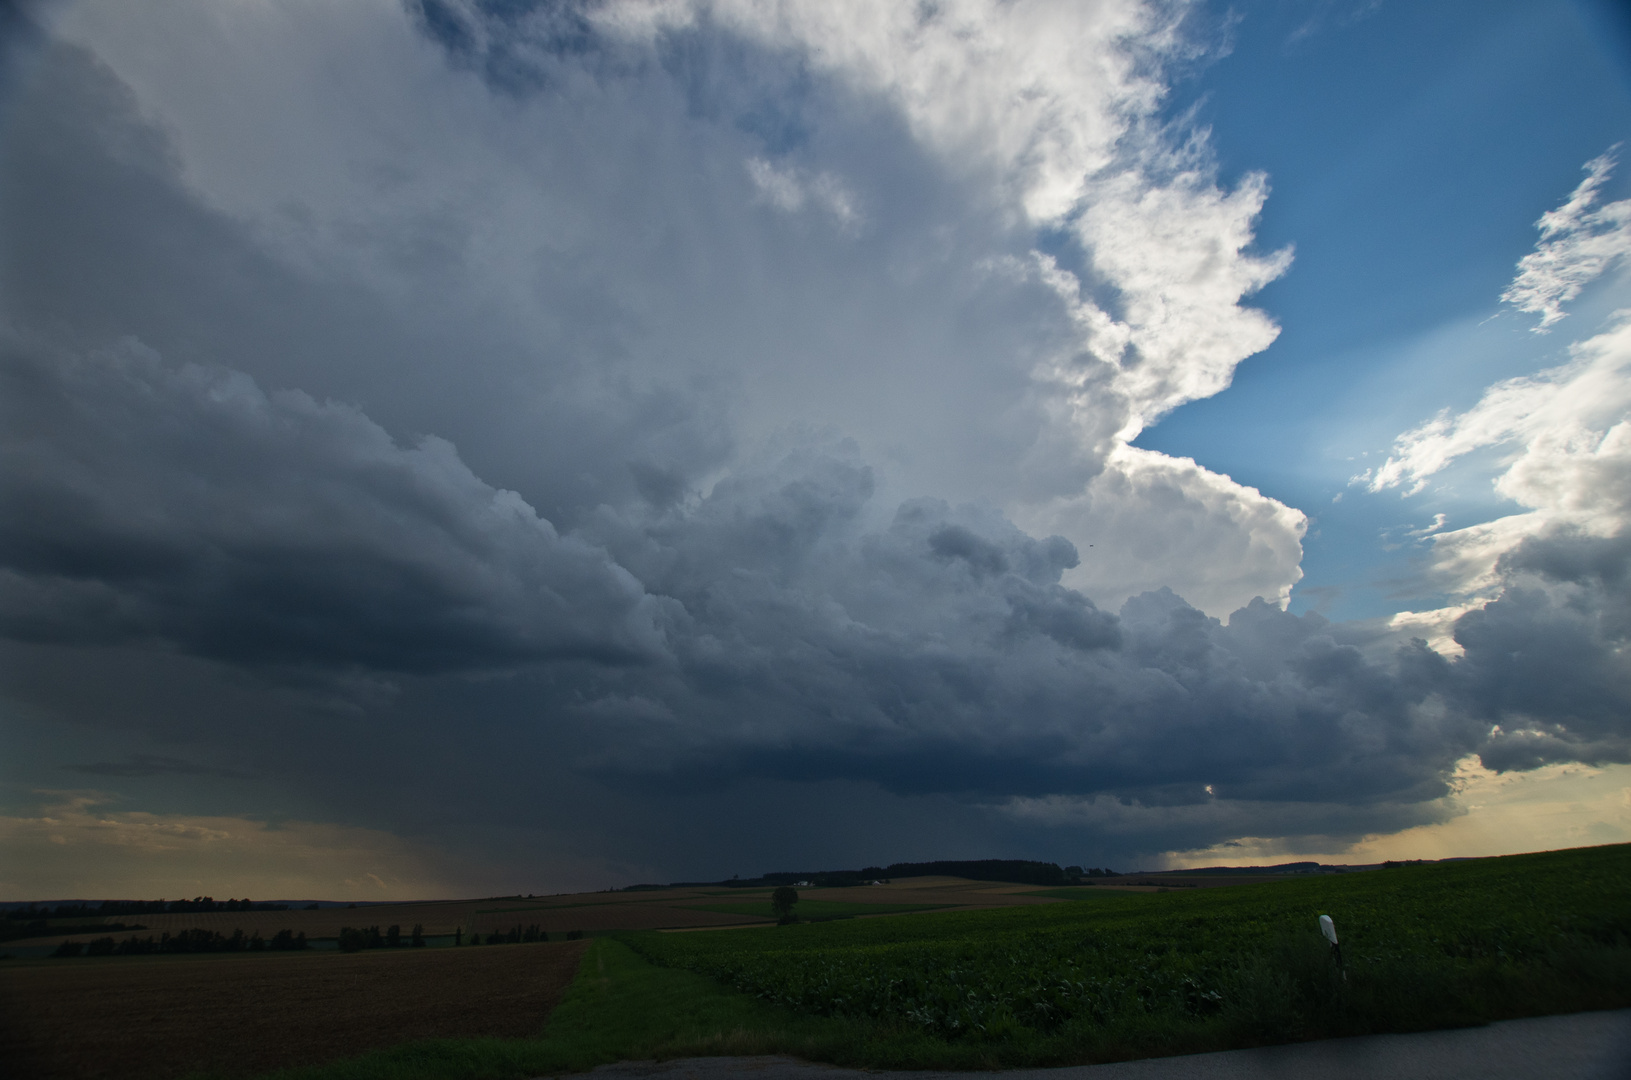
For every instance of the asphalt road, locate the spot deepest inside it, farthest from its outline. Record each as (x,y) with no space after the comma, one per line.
(1581,1046)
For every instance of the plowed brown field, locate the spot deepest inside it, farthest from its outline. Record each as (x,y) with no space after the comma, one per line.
(153,1018)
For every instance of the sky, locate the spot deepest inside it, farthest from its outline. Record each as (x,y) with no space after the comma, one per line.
(460,447)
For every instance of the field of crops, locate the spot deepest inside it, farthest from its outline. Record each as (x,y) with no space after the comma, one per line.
(668,908)
(814,910)
(1423,946)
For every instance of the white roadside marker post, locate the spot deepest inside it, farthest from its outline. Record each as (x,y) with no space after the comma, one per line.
(1329,929)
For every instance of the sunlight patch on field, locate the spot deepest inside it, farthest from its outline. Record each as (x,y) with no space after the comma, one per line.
(76,848)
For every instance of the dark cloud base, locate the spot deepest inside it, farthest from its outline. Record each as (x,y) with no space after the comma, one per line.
(764,631)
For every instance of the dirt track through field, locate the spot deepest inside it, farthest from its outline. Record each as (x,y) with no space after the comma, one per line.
(152,1018)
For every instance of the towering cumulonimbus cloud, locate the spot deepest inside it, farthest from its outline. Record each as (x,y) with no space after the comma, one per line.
(1052,110)
(566,404)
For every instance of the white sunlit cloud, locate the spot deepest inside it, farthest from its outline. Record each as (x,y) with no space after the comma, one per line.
(1045,114)
(1561,438)
(1058,102)
(1580,241)
(1036,94)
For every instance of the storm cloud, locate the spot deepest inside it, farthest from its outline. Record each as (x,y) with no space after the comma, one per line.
(765,629)
(184,507)
(682,394)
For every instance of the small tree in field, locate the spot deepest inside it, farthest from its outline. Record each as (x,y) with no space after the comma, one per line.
(782,901)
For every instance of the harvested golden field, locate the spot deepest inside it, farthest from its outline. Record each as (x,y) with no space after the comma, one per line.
(151,1018)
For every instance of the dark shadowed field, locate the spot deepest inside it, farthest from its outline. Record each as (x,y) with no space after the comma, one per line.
(148,1018)
(658,909)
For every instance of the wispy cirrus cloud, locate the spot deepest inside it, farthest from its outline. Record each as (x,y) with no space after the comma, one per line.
(1566,413)
(1579,242)
(1558,443)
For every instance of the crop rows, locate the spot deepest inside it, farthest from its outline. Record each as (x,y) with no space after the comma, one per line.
(1467,928)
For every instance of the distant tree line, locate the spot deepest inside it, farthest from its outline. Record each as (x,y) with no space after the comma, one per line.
(187,941)
(516,935)
(355,939)
(1023,871)
(140,907)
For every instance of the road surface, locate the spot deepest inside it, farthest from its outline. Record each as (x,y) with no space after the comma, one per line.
(1580,1046)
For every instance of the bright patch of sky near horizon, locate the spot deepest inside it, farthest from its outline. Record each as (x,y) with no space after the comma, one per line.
(1410,147)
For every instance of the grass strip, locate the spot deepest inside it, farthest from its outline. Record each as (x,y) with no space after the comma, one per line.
(1080,892)
(620,1007)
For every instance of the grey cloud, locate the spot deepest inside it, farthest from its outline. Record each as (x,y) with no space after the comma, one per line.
(102,238)
(940,654)
(768,631)
(768,628)
(186,507)
(146,765)
(1546,663)
(956,542)
(582,340)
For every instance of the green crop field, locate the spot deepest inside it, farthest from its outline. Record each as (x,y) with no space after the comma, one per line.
(813,909)
(1111,976)
(1424,946)
(1081,892)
